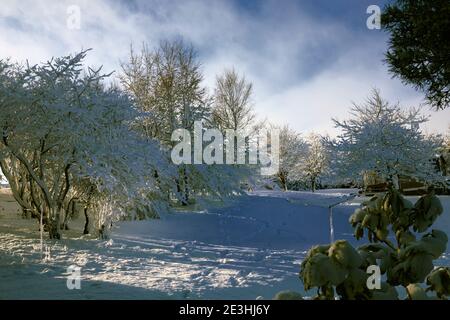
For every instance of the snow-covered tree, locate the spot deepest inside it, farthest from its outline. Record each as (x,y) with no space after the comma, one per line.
(167,84)
(292,150)
(232,102)
(59,125)
(386,140)
(313,164)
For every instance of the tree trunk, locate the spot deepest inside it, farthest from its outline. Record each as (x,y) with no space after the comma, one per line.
(182,187)
(54,230)
(103,232)
(26,213)
(186,189)
(179,190)
(69,213)
(54,224)
(86,224)
(283,181)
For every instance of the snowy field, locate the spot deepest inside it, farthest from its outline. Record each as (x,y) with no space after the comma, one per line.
(249,249)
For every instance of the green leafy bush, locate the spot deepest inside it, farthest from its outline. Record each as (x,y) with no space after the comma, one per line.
(394,228)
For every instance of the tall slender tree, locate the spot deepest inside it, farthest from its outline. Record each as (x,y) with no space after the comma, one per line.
(233,108)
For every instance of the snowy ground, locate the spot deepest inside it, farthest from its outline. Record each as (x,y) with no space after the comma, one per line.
(248,249)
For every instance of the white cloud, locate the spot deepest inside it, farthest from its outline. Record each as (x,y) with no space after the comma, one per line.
(304,71)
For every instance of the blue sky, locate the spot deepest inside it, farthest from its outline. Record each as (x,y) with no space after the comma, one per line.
(308,59)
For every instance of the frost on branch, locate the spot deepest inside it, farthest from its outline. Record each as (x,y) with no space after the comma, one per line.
(62,125)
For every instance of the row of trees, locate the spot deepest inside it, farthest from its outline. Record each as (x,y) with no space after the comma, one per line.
(70,140)
(379,137)
(383,138)
(303,161)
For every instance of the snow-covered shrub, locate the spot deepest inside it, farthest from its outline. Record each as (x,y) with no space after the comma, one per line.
(340,270)
(288,295)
